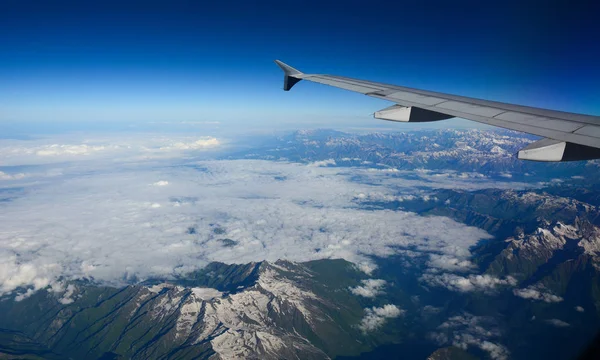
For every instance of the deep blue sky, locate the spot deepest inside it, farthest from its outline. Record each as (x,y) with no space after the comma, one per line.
(90,62)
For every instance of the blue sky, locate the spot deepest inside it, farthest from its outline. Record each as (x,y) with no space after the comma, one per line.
(85,64)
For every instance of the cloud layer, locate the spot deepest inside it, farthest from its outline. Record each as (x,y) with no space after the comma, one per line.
(112,148)
(467,330)
(125,219)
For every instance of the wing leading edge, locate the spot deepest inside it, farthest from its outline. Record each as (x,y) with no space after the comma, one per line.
(567,136)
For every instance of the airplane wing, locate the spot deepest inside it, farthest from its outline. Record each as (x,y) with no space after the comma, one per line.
(567,136)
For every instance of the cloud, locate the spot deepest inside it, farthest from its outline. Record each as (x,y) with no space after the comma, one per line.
(114,149)
(537,293)
(451,174)
(323,163)
(370,288)
(579,309)
(429,311)
(67,295)
(185,122)
(18,176)
(206,293)
(97,223)
(439,179)
(99,220)
(484,283)
(366,267)
(450,263)
(377,316)
(14,274)
(203,143)
(468,330)
(379,196)
(387,170)
(557,323)
(496,351)
(57,150)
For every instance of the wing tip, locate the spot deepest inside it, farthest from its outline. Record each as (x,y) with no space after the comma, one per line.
(291,76)
(288,70)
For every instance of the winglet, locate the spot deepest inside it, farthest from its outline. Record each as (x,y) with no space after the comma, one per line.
(291,76)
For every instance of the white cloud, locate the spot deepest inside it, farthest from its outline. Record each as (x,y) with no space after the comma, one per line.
(387,170)
(14,274)
(468,330)
(206,293)
(496,351)
(450,263)
(579,309)
(445,179)
(375,317)
(57,150)
(370,288)
(64,292)
(323,163)
(379,196)
(94,226)
(114,149)
(94,220)
(366,267)
(558,323)
(484,283)
(204,143)
(67,296)
(25,295)
(5,176)
(537,293)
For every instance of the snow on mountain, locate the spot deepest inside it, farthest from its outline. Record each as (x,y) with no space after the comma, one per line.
(540,245)
(238,325)
(261,311)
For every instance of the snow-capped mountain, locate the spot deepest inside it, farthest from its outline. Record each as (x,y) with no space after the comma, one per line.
(491,153)
(278,310)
